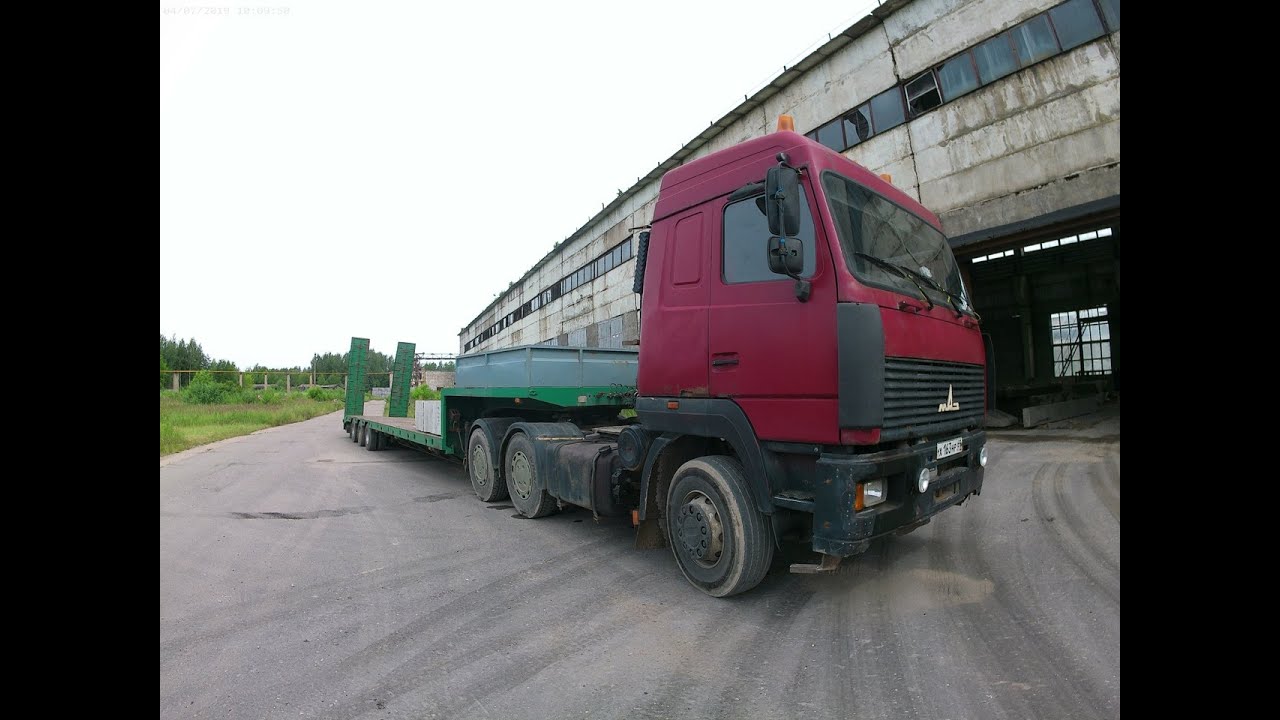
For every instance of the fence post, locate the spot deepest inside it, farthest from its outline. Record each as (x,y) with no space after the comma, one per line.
(175,381)
(241,379)
(288,381)
(264,381)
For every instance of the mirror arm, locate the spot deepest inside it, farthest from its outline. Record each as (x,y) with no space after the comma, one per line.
(803,287)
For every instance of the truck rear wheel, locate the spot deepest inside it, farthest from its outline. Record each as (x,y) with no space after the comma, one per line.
(525,483)
(364,434)
(722,542)
(484,476)
(355,431)
(373,441)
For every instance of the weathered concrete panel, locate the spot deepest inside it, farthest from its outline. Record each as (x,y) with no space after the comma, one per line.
(920,44)
(1078,70)
(1062,117)
(889,153)
(1034,166)
(1070,191)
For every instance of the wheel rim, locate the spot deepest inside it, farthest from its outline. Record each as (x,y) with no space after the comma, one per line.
(521,474)
(700,530)
(480,465)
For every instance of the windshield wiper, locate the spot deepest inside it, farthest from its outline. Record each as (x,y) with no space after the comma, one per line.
(951,299)
(900,271)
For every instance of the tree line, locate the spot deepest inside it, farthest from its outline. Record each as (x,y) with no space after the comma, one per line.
(187,354)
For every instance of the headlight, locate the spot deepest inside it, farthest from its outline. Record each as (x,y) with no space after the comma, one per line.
(873,492)
(982,456)
(923,483)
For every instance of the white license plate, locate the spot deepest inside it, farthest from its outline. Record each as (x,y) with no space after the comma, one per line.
(947,448)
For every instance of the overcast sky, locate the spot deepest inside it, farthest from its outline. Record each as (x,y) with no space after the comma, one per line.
(385,169)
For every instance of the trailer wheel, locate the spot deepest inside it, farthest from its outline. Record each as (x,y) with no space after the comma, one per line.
(722,542)
(355,431)
(525,483)
(364,434)
(484,476)
(373,441)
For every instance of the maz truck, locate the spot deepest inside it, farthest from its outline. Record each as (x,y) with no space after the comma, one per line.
(809,365)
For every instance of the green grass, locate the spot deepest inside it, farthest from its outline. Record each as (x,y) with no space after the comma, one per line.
(184,425)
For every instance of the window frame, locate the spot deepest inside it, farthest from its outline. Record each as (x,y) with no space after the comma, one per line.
(806,208)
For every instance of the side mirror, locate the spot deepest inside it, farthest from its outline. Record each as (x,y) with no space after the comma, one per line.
(786,256)
(782,200)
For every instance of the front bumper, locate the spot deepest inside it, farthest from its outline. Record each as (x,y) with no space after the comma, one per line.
(841,531)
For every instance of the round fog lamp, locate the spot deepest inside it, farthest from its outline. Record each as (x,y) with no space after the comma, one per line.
(982,456)
(924,480)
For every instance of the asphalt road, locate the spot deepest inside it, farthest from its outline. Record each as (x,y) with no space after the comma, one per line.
(303,576)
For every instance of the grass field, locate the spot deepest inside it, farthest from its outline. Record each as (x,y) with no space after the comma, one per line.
(184,425)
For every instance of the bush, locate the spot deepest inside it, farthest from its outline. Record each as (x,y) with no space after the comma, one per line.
(269,397)
(424,392)
(236,394)
(204,390)
(320,394)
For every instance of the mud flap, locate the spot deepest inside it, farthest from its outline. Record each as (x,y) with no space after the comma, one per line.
(649,534)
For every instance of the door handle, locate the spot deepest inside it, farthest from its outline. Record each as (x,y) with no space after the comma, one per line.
(721,362)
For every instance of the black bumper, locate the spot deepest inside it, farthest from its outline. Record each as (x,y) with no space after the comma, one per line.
(838,529)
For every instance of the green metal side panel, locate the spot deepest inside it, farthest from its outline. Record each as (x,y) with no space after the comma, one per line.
(401,375)
(357,367)
(444,428)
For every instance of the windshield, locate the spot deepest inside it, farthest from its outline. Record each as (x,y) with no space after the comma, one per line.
(886,246)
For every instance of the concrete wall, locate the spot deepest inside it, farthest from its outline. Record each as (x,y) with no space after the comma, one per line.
(1045,138)
(436,379)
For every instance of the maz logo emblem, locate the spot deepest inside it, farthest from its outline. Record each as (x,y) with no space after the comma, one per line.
(950,405)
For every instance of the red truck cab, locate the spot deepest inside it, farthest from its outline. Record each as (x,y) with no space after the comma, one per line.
(843,400)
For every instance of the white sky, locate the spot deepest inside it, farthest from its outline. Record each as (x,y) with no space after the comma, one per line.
(385,169)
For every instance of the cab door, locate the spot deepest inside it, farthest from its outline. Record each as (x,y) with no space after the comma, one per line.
(771,353)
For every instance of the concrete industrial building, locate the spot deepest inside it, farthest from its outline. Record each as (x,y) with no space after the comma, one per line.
(1001,116)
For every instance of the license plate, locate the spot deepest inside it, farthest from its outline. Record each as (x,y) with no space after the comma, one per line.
(947,448)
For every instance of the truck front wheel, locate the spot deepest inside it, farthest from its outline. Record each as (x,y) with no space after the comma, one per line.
(721,541)
(525,482)
(480,467)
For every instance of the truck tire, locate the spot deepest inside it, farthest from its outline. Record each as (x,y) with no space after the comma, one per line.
(373,441)
(722,542)
(364,434)
(525,483)
(355,431)
(480,467)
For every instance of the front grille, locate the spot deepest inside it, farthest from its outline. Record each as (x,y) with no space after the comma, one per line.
(913,390)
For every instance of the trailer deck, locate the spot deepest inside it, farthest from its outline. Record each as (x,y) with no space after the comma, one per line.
(401,427)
